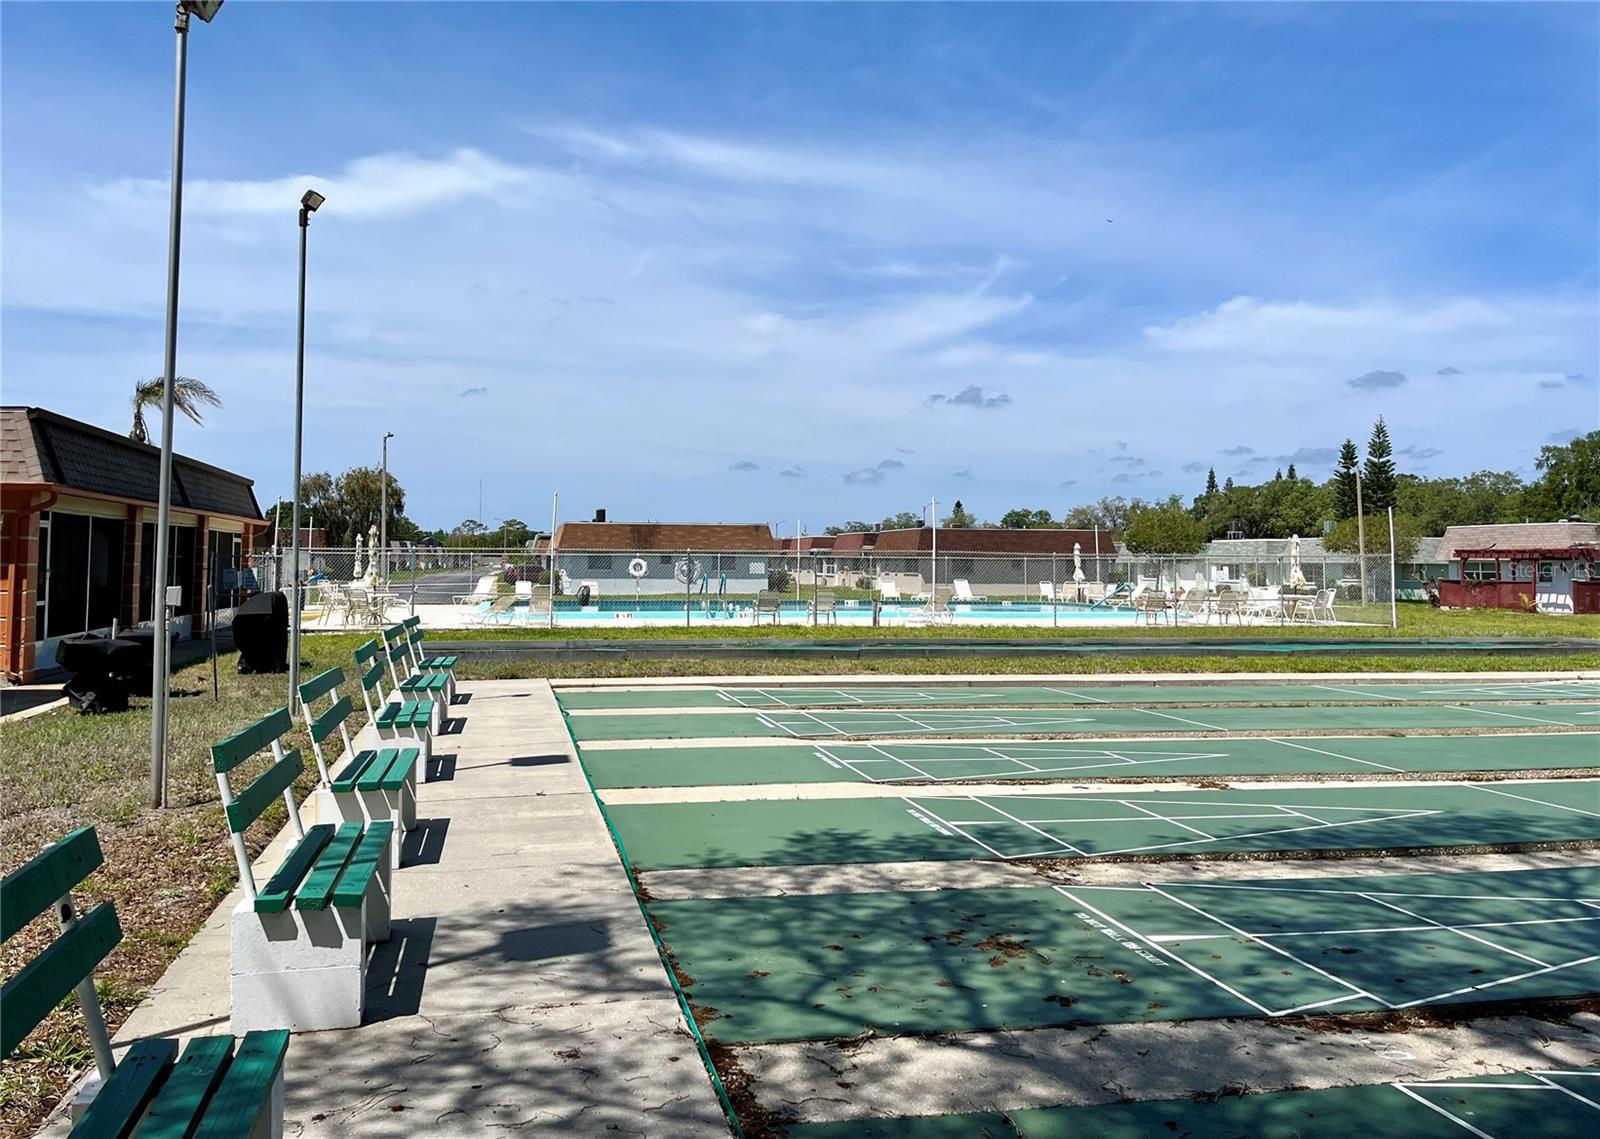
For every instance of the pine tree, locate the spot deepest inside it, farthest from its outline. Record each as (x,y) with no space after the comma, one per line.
(1292,475)
(1211,482)
(1344,478)
(1227,487)
(1277,475)
(1378,473)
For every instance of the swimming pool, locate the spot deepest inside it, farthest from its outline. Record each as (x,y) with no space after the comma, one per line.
(712,612)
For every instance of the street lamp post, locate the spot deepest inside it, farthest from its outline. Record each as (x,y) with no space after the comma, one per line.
(160,664)
(383,512)
(309,202)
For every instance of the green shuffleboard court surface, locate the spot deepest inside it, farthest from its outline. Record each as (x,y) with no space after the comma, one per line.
(915,696)
(690,766)
(801,967)
(1098,719)
(1546,1104)
(796,832)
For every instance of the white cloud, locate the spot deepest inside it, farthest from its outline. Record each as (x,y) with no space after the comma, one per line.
(379,185)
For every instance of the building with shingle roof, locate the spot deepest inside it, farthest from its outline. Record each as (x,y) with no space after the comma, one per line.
(77,533)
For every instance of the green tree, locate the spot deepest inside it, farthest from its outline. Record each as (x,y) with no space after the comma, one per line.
(1025,519)
(1292,476)
(851,528)
(905,520)
(188,394)
(1165,529)
(960,518)
(1570,483)
(1344,538)
(1211,481)
(1378,477)
(1344,479)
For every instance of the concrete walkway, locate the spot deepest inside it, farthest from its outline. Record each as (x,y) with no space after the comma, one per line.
(520,992)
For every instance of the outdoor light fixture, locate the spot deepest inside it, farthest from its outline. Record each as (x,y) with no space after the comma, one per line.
(205,9)
(310,200)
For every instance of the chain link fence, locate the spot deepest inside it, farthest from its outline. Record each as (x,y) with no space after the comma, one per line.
(453,587)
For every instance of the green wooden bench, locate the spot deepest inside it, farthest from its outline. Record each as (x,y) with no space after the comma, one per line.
(299,941)
(357,785)
(430,686)
(218,1088)
(422,662)
(395,720)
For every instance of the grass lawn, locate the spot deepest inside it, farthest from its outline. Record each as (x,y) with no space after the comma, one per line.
(166,870)
(1414,621)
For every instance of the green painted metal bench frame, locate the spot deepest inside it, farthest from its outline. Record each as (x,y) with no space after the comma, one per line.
(218,1089)
(394,719)
(373,784)
(422,662)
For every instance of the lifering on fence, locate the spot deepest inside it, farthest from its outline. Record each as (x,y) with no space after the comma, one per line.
(638,567)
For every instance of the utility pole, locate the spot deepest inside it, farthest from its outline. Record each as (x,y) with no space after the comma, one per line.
(383,512)
(1361,538)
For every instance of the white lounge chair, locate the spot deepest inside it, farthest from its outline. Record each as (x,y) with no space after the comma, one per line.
(1047,591)
(963,589)
(485,590)
(889,590)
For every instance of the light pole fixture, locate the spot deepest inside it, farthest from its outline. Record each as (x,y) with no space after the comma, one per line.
(309,202)
(161,664)
(383,512)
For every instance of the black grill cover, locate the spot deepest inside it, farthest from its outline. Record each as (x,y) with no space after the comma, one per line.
(261,631)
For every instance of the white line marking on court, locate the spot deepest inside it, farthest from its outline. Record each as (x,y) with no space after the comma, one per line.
(1502,981)
(1455,930)
(1168,819)
(1359,692)
(1317,1004)
(1512,715)
(1025,823)
(1419,928)
(964,834)
(1080,696)
(1357,989)
(1331,754)
(1180,719)
(1131,932)
(1480,1133)
(1540,802)
(1568,1091)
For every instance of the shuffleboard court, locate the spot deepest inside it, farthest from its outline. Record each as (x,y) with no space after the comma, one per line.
(801,967)
(916,696)
(1551,1103)
(689,766)
(1093,720)
(797,832)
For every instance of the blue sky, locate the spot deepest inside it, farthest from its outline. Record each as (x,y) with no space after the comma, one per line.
(728,263)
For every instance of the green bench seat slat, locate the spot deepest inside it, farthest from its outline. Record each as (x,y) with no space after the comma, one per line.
(399,770)
(326,724)
(188,1090)
(231,752)
(388,714)
(123,1098)
(246,1088)
(425,682)
(444,663)
(247,806)
(322,683)
(370,853)
(48,876)
(275,896)
(354,771)
(318,886)
(372,778)
(35,989)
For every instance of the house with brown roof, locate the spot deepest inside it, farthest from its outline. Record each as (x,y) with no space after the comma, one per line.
(1521,565)
(631,559)
(77,534)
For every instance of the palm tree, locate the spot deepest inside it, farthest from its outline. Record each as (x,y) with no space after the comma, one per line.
(187,396)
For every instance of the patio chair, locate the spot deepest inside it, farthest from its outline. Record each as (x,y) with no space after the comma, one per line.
(524,593)
(1194,603)
(486,589)
(1322,608)
(823,609)
(1092,590)
(768,604)
(1152,603)
(1047,591)
(889,590)
(1228,603)
(963,590)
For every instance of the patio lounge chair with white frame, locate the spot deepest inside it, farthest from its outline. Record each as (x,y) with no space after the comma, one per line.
(1047,591)
(963,590)
(485,590)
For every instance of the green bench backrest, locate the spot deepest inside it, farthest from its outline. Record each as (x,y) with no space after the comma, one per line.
(332,718)
(69,960)
(245,807)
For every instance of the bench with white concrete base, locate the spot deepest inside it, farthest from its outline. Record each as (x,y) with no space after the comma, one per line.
(357,786)
(395,720)
(218,1088)
(299,942)
(423,663)
(432,687)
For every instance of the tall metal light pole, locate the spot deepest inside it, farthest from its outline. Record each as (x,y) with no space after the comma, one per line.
(383,511)
(160,663)
(1361,538)
(309,202)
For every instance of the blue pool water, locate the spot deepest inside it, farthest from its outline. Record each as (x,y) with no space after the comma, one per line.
(662,611)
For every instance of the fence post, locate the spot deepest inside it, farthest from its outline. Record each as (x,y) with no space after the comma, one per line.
(1394,577)
(688,588)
